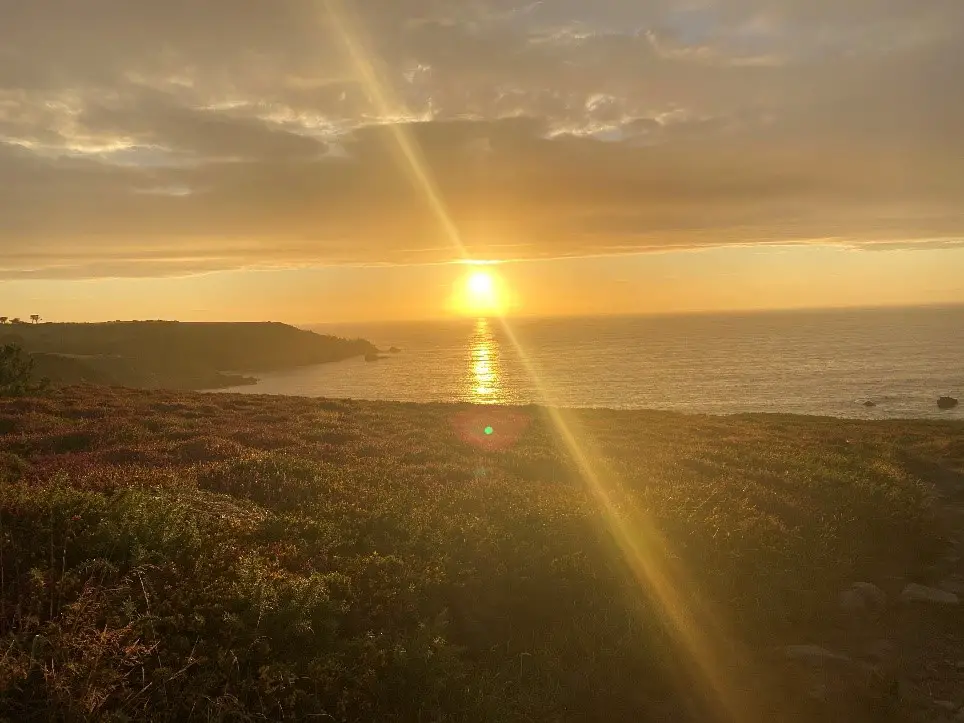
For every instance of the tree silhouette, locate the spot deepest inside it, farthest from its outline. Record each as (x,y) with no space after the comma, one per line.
(3,319)
(16,320)
(35,318)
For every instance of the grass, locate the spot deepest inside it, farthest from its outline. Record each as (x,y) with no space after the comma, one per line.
(172,556)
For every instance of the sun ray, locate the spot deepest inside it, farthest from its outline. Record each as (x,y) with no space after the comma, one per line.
(362,59)
(710,652)
(714,656)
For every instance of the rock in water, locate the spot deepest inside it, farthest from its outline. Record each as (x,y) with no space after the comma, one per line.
(946,403)
(914,593)
(869,403)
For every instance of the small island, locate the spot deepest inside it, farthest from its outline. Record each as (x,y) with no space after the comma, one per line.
(174,355)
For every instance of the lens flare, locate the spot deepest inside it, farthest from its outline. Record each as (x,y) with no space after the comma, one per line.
(490,429)
(713,657)
(348,30)
(710,653)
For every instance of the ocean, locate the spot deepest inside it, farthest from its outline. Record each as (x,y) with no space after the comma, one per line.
(826,363)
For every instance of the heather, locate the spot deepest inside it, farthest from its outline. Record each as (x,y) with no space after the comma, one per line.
(177,556)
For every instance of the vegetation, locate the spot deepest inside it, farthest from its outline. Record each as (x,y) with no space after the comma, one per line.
(169,556)
(174,355)
(17,375)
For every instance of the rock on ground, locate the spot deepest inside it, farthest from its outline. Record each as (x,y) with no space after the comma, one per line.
(915,593)
(837,682)
(954,584)
(863,596)
(813,654)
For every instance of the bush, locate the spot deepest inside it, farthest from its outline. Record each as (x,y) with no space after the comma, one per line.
(149,610)
(276,481)
(13,467)
(16,373)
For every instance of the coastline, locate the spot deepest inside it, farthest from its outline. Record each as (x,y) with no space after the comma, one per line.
(173,355)
(859,412)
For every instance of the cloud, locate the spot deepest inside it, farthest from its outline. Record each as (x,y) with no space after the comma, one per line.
(150,119)
(181,136)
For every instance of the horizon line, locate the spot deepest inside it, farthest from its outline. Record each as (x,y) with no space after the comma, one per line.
(525,317)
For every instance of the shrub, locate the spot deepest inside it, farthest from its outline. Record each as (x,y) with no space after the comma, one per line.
(273,480)
(13,467)
(9,423)
(16,373)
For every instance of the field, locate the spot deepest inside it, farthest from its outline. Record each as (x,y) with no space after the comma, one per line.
(175,556)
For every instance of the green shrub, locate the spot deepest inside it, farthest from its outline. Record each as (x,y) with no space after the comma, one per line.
(16,373)
(274,480)
(13,467)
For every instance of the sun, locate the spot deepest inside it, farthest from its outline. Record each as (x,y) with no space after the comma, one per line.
(481,285)
(481,295)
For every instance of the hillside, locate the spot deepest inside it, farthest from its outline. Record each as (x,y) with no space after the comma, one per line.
(170,556)
(175,355)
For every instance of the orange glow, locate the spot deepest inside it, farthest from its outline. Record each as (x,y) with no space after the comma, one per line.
(481,294)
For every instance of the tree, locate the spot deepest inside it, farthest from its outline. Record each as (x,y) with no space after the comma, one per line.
(16,373)
(35,318)
(3,319)
(16,320)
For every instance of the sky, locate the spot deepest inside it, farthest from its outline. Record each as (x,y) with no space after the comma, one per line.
(329,160)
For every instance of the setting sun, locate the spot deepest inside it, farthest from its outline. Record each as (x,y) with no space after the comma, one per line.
(481,295)
(480,284)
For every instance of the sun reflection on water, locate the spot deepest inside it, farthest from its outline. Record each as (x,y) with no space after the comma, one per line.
(485,385)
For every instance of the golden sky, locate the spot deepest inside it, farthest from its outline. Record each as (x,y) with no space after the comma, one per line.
(323,160)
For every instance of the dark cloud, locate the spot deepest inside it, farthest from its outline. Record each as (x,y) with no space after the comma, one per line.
(187,136)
